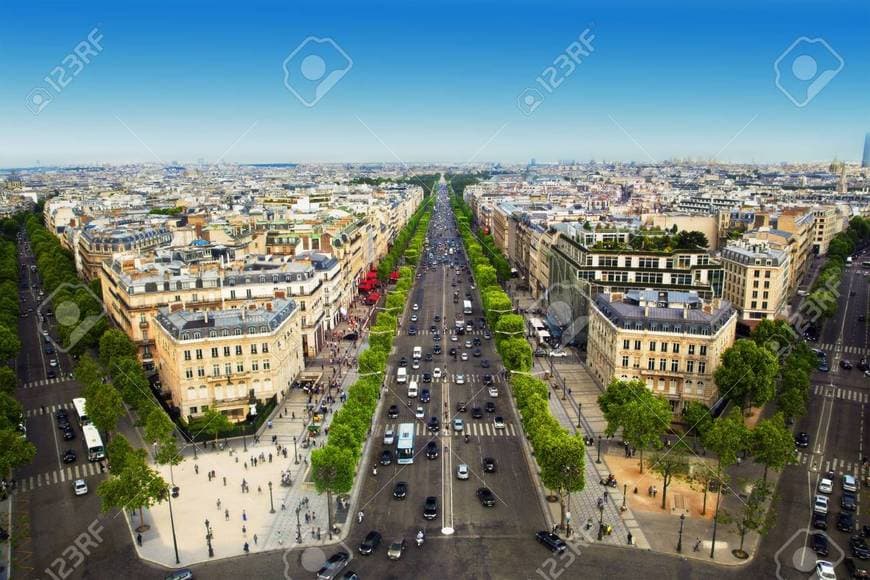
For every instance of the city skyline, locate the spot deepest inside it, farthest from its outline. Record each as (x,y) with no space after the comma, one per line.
(420,84)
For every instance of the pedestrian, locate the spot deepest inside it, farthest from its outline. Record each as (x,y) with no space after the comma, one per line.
(255,539)
(139,539)
(247,548)
(196,468)
(246,465)
(225,481)
(227,515)
(283,507)
(259,489)
(307,519)
(313,516)
(219,504)
(244,530)
(244,516)
(43,409)
(270,458)
(630,538)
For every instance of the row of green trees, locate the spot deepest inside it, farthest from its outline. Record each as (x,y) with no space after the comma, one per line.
(10,345)
(479,246)
(403,239)
(78,308)
(334,465)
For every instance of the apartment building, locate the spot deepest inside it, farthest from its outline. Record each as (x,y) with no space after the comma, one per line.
(96,245)
(756,279)
(800,223)
(228,359)
(673,341)
(828,223)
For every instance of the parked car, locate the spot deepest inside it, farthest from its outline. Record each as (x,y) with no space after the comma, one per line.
(825,570)
(845,522)
(858,547)
(820,505)
(553,542)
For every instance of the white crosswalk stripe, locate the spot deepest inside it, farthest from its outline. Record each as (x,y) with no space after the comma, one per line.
(43,382)
(79,471)
(841,393)
(482,428)
(49,410)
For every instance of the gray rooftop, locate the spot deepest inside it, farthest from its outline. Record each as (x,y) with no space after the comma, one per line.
(187,324)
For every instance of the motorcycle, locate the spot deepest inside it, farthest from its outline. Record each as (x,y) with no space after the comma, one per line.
(467,438)
(420,538)
(610,481)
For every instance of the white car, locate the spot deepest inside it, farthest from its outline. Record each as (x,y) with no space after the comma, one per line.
(462,471)
(458,425)
(389,437)
(80,487)
(820,506)
(464,356)
(454,338)
(436,373)
(413,318)
(467,344)
(415,364)
(415,308)
(849,483)
(498,423)
(420,413)
(826,485)
(493,391)
(558,353)
(460,379)
(825,570)
(52,363)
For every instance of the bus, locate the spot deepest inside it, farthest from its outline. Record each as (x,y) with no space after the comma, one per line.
(865,264)
(405,444)
(466,306)
(93,443)
(79,405)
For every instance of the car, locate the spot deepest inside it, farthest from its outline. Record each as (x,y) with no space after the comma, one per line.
(437,318)
(558,353)
(802,440)
(48,349)
(437,349)
(63,424)
(823,366)
(386,457)
(80,487)
(403,362)
(845,364)
(461,406)
(452,352)
(415,307)
(420,413)
(486,497)
(487,379)
(413,318)
(819,544)
(484,364)
(51,374)
(454,338)
(476,353)
(476,341)
(52,363)
(849,502)
(462,471)
(393,412)
(458,425)
(436,373)
(335,564)
(415,364)
(553,542)
(370,543)
(540,352)
(412,331)
(430,508)
(467,344)
(460,379)
(60,414)
(400,490)
(476,412)
(825,570)
(427,357)
(820,505)
(434,424)
(389,437)
(69,456)
(436,337)
(854,570)
(492,391)
(427,378)
(849,483)
(820,521)
(464,356)
(69,434)
(490,407)
(498,423)
(396,549)
(489,464)
(862,364)
(858,547)
(826,485)
(431,450)
(845,522)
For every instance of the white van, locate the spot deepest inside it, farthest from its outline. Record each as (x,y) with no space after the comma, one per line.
(412,390)
(418,352)
(402,375)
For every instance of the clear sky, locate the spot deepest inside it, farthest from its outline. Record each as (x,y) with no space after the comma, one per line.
(430,81)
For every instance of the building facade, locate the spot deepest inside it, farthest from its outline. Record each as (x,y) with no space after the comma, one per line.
(756,279)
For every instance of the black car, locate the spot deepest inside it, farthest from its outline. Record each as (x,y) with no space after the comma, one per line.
(425,396)
(475,341)
(802,440)
(551,540)
(819,544)
(434,424)
(393,412)
(51,373)
(489,464)
(437,349)
(845,364)
(427,356)
(476,413)
(48,349)
(334,565)
(845,522)
(433,328)
(431,450)
(403,362)
(461,406)
(486,497)
(400,490)
(60,414)
(412,331)
(386,457)
(484,364)
(370,543)
(859,548)
(437,318)
(820,521)
(849,502)
(427,378)
(487,379)
(452,351)
(854,570)
(69,434)
(69,456)
(430,508)
(476,352)
(63,424)
(490,407)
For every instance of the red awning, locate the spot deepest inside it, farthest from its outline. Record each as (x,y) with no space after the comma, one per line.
(373,297)
(372,275)
(394,276)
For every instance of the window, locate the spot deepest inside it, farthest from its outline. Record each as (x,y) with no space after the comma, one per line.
(756,273)
(187,355)
(755,284)
(255,366)
(690,366)
(766,285)
(702,368)
(215,370)
(238,350)
(703,350)
(200,372)
(754,304)
(651,364)
(663,364)
(188,373)
(675,366)
(253,349)
(228,369)
(755,293)
(226,351)
(214,352)
(664,347)
(626,343)
(767,274)
(199,354)
(264,347)
(764,305)
(675,348)
(765,295)
(624,361)
(636,345)
(266,364)
(240,367)
(232,294)
(652,346)
(691,349)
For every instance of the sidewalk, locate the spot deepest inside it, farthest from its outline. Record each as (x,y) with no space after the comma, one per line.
(6,546)
(237,505)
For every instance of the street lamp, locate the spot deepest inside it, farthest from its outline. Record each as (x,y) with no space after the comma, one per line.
(208,537)
(295,455)
(244,434)
(579,407)
(271,501)
(598,460)
(624,495)
(600,521)
(298,526)
(680,539)
(171,517)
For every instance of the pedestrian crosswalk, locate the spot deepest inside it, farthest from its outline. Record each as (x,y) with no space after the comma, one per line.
(427,332)
(47,410)
(830,348)
(834,392)
(43,382)
(451,378)
(476,428)
(66,474)
(838,466)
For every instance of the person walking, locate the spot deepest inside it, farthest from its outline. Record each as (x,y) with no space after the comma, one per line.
(227,515)
(219,504)
(255,539)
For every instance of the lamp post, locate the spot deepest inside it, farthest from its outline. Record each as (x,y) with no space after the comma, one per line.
(271,501)
(208,537)
(600,521)
(295,454)
(298,526)
(171,517)
(244,434)
(715,519)
(680,538)
(598,460)
(624,495)
(579,407)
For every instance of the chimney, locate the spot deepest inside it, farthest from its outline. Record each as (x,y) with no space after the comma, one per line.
(268,307)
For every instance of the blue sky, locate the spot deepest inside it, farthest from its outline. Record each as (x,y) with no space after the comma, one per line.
(433,81)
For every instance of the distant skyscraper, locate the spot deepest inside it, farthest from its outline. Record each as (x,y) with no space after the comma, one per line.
(865,162)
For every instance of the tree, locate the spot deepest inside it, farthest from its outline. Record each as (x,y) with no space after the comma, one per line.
(776,335)
(11,412)
(332,469)
(642,416)
(746,374)
(160,432)
(17,451)
(562,458)
(754,514)
(114,344)
(698,418)
(690,240)
(8,381)
(215,422)
(496,304)
(670,464)
(10,345)
(87,371)
(727,438)
(136,486)
(486,276)
(120,453)
(793,402)
(104,406)
(372,362)
(516,354)
(345,437)
(772,444)
(509,325)
(130,380)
